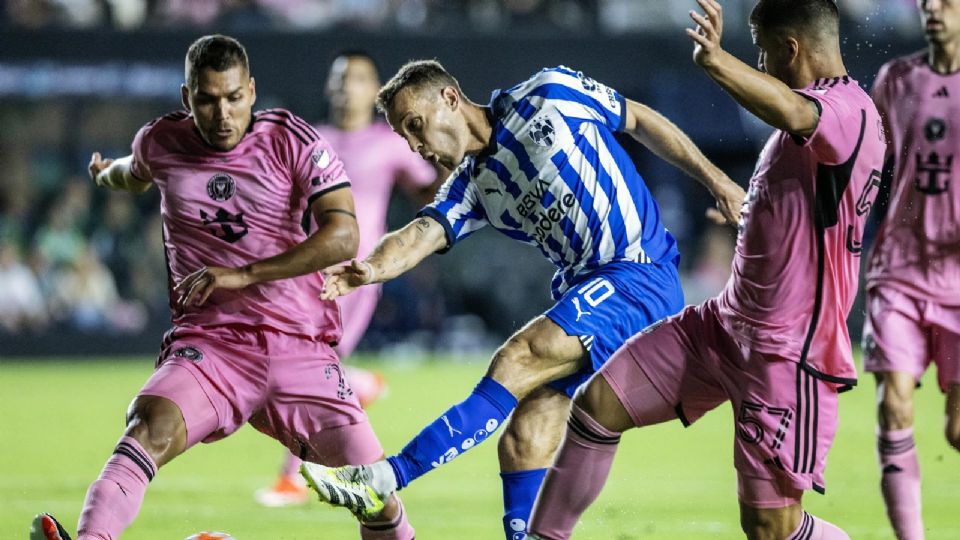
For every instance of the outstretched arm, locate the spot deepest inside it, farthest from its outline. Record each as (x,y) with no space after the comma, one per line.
(766,97)
(116,174)
(396,253)
(334,241)
(668,142)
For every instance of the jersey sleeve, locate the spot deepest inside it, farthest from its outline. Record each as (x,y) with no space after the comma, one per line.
(457,207)
(140,164)
(576,95)
(839,127)
(881,88)
(315,167)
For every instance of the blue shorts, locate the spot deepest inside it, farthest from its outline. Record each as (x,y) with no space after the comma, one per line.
(611,304)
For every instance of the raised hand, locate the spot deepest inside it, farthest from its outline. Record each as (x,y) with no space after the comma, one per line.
(729,202)
(198,286)
(96,166)
(707,35)
(342,280)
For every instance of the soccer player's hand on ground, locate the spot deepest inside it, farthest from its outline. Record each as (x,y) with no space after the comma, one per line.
(97,166)
(198,286)
(707,35)
(342,280)
(729,202)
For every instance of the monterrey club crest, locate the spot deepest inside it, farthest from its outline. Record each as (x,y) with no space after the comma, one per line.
(542,132)
(221,187)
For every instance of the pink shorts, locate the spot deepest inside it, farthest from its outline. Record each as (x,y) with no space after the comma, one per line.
(288,387)
(785,419)
(356,311)
(904,334)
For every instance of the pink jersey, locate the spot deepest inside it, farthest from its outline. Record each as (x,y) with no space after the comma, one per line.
(918,248)
(376,158)
(795,269)
(233,208)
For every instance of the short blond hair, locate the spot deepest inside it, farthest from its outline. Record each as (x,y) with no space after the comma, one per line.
(415,74)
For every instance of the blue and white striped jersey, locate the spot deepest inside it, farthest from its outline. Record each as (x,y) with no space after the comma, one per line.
(554,176)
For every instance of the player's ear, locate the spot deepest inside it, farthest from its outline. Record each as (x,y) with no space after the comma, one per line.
(450,96)
(793,48)
(185,97)
(253,91)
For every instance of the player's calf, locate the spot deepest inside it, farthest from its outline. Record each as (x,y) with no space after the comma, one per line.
(953,416)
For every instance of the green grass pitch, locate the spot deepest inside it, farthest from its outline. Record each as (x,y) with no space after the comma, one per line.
(59,422)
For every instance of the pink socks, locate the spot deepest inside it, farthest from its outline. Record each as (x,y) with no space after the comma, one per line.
(396,529)
(900,482)
(114,499)
(814,528)
(576,478)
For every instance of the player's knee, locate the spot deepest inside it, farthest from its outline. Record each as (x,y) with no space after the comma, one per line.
(157,424)
(765,524)
(517,367)
(895,410)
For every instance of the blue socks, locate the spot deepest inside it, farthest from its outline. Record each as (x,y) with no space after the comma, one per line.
(462,427)
(519,493)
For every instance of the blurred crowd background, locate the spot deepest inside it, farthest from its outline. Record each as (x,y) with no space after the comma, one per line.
(82,269)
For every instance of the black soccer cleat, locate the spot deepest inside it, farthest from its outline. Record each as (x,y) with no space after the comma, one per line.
(46,527)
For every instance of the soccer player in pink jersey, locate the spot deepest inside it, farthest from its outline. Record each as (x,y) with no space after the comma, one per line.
(775,342)
(376,159)
(251,341)
(913,280)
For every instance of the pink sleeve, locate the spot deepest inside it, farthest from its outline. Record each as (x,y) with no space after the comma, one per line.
(315,167)
(140,166)
(881,88)
(838,129)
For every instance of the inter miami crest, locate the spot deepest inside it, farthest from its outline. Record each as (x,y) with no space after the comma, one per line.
(542,132)
(935,130)
(225,225)
(221,187)
(190,353)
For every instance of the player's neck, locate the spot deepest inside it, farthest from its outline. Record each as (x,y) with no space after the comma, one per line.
(944,57)
(351,121)
(820,67)
(480,124)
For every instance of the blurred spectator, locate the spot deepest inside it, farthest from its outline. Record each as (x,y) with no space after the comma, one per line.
(115,237)
(85,297)
(485,16)
(22,307)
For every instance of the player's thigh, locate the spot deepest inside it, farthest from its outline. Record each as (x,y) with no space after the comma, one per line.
(534,430)
(311,408)
(538,353)
(662,373)
(894,337)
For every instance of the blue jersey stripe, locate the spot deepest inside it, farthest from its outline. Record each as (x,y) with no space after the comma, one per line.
(617,229)
(503,175)
(572,179)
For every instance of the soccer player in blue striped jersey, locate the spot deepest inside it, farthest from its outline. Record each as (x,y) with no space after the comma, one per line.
(541,165)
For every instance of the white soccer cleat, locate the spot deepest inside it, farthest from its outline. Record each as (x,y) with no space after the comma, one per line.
(45,527)
(349,487)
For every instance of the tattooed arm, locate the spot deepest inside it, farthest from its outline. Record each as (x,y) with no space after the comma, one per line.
(396,253)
